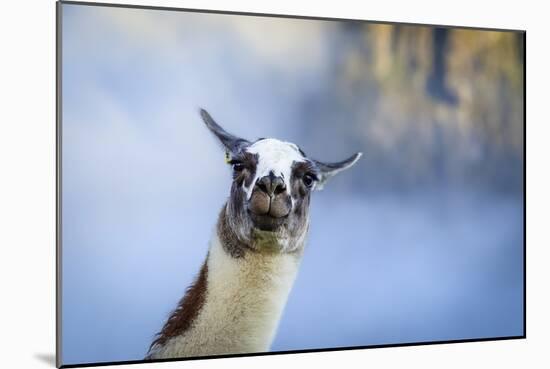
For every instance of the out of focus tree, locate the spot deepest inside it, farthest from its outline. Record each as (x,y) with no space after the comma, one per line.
(428,106)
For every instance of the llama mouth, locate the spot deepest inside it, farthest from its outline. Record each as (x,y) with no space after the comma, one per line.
(267,222)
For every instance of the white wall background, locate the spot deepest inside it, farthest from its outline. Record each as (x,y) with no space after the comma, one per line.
(27,185)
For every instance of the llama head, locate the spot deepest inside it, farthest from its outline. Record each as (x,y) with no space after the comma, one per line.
(268,208)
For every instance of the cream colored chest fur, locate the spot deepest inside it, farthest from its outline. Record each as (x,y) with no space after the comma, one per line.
(244,301)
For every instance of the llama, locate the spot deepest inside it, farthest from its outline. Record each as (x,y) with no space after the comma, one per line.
(237,299)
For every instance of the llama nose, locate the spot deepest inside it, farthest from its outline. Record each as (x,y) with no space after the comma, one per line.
(271,185)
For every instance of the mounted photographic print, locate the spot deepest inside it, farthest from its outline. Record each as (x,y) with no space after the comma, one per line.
(238,184)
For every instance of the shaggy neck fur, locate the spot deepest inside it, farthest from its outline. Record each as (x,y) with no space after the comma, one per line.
(235,304)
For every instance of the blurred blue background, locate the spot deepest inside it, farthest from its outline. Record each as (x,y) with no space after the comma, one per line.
(422,240)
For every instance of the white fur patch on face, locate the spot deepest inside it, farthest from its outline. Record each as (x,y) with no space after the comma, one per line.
(276,156)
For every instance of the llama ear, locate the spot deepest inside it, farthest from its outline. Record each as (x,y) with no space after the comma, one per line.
(329,170)
(231,143)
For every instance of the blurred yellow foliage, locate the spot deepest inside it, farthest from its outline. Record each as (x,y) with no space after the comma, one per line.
(439,101)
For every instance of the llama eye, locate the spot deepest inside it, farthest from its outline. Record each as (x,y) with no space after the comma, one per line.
(238,167)
(308,180)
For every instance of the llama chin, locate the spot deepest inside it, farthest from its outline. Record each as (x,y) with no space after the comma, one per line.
(235,304)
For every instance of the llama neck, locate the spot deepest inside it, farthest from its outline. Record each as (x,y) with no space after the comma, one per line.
(242,303)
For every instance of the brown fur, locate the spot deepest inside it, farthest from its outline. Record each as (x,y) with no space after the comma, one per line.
(188,308)
(228,238)
(249,161)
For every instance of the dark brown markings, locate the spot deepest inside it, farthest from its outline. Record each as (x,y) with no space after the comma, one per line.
(301,194)
(188,308)
(249,162)
(299,170)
